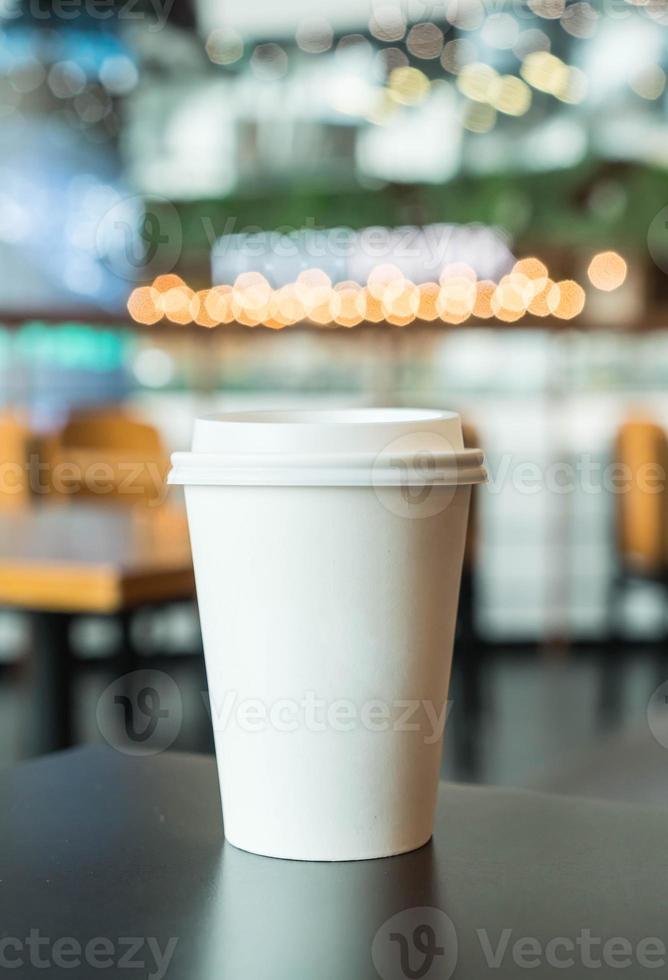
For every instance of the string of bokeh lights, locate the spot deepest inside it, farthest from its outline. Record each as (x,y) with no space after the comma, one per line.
(387,297)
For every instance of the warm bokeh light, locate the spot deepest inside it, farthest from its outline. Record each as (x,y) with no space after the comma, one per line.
(176,304)
(457,270)
(428,301)
(382,109)
(388,297)
(482,306)
(397,320)
(534,270)
(250,280)
(313,288)
(512,296)
(504,314)
(374,307)
(166,282)
(479,117)
(401,300)
(408,86)
(353,303)
(380,278)
(251,298)
(574,88)
(218,304)
(144,305)
(538,305)
(476,81)
(456,298)
(286,307)
(246,318)
(607,271)
(510,95)
(327,311)
(199,311)
(545,72)
(453,318)
(566,299)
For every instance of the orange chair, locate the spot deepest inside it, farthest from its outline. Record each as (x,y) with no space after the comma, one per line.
(641,536)
(641,447)
(15,438)
(107,455)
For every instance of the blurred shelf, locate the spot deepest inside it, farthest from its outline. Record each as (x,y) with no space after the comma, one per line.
(656,319)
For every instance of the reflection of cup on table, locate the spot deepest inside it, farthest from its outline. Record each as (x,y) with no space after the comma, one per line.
(327,548)
(279,920)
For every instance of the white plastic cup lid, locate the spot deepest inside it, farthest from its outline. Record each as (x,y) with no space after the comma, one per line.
(346,447)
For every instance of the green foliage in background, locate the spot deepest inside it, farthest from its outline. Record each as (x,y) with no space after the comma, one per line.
(597,204)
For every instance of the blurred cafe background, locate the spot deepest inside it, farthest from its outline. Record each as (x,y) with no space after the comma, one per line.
(212,205)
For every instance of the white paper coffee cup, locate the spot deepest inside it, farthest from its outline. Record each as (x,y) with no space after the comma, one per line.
(328,548)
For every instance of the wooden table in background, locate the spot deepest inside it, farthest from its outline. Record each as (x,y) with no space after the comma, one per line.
(60,561)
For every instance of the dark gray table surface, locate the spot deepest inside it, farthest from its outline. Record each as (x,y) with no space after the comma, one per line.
(114,851)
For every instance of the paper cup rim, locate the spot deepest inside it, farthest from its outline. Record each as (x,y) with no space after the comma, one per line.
(332,416)
(329,447)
